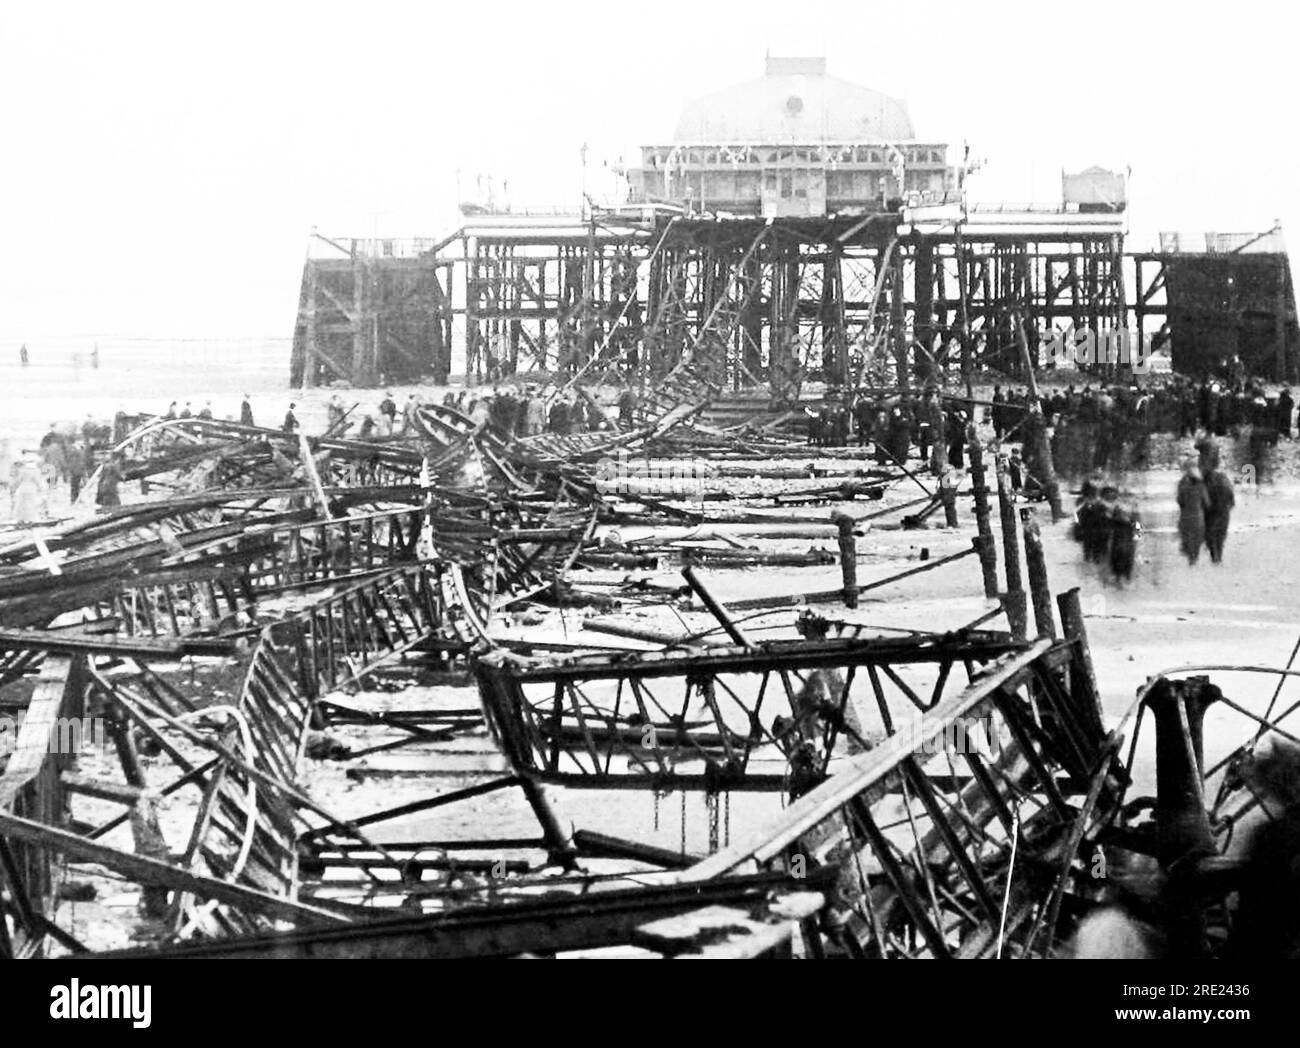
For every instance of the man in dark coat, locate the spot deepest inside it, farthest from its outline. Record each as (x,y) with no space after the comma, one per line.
(863,413)
(1193,501)
(816,426)
(110,476)
(290,424)
(559,417)
(999,412)
(75,463)
(840,426)
(627,409)
(954,432)
(900,434)
(246,412)
(1094,529)
(1208,454)
(1123,540)
(1285,409)
(1219,487)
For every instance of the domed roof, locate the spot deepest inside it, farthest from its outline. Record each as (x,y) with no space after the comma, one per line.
(794,102)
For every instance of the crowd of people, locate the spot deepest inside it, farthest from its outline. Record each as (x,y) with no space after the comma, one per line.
(1205,503)
(894,425)
(523,411)
(1108,528)
(66,455)
(1109,427)
(514,411)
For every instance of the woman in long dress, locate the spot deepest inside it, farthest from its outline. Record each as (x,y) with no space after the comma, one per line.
(30,493)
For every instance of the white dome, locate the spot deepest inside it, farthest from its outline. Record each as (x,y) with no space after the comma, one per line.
(795,102)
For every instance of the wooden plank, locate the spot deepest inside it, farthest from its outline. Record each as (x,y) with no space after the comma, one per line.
(32,746)
(152,871)
(101,788)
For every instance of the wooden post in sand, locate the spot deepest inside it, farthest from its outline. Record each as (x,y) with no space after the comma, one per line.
(1040,589)
(1083,681)
(987,547)
(1014,598)
(848,558)
(948,496)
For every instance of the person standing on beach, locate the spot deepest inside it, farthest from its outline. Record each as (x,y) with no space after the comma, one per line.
(409,409)
(110,476)
(1193,502)
(30,492)
(1219,487)
(75,462)
(246,412)
(1123,528)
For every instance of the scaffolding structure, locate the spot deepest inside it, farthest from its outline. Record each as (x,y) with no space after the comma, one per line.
(899,298)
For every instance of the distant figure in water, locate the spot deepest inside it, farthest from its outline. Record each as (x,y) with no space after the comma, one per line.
(1193,502)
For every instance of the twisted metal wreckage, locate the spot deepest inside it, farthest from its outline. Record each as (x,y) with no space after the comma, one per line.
(948,793)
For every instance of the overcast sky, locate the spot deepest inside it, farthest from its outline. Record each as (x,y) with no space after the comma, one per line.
(164,163)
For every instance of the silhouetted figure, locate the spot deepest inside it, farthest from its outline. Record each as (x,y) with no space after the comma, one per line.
(998,413)
(110,476)
(559,417)
(1284,412)
(1219,512)
(23,356)
(290,424)
(75,461)
(246,412)
(626,408)
(1193,502)
(815,426)
(1123,541)
(863,413)
(900,435)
